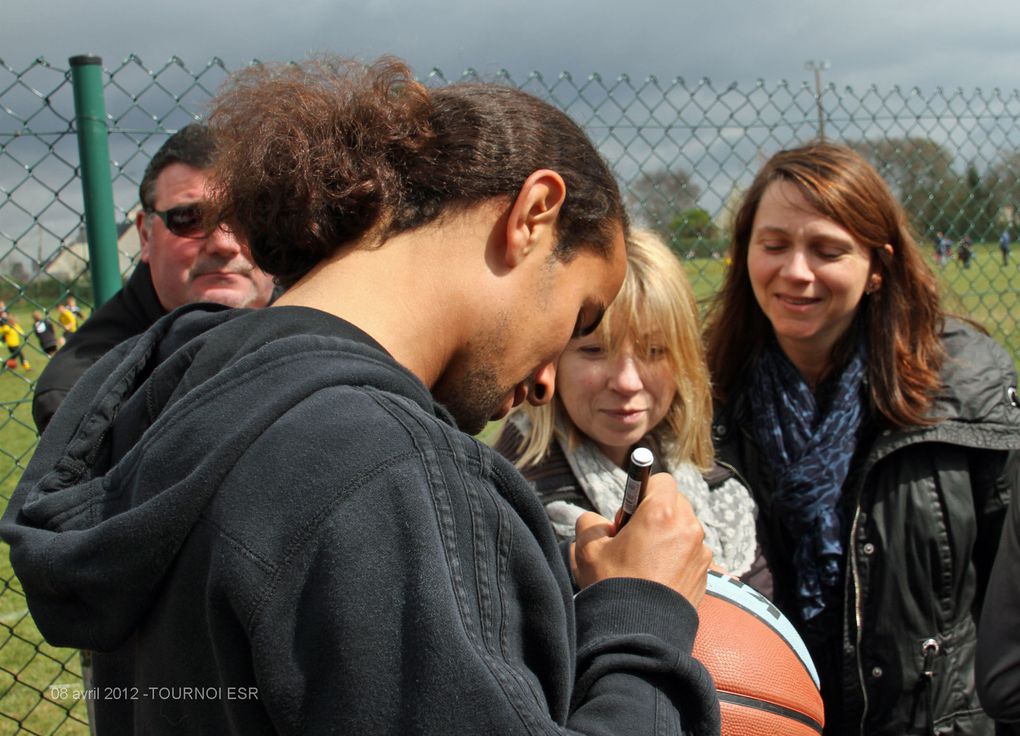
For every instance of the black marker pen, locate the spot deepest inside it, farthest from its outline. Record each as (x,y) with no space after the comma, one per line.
(637,481)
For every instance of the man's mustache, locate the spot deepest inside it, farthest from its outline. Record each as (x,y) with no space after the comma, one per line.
(237,265)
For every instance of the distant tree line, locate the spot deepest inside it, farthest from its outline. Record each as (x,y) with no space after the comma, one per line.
(665,200)
(938,198)
(978,201)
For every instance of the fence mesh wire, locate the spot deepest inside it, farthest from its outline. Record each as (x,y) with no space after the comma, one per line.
(683,151)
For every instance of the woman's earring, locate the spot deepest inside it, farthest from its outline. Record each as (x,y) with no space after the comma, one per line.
(873,284)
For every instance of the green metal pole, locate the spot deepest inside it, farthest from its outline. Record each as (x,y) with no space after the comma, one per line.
(94,153)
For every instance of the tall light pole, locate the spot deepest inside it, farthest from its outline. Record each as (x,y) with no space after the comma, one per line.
(818,67)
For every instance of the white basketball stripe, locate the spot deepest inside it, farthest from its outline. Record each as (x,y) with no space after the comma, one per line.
(746,597)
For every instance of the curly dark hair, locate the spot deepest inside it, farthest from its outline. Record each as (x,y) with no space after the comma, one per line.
(319,155)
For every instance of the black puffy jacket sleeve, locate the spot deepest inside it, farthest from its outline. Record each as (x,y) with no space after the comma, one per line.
(998,655)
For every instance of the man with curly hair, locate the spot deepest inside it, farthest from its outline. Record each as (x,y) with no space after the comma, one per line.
(277,521)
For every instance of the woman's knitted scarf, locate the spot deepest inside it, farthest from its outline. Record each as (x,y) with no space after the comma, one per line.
(808,442)
(726,512)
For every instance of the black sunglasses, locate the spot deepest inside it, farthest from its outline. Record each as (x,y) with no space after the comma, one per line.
(184,221)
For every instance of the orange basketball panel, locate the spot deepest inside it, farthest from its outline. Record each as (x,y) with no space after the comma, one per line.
(739,720)
(748,658)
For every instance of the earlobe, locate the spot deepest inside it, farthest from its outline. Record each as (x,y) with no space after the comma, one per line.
(532,220)
(543,384)
(875,279)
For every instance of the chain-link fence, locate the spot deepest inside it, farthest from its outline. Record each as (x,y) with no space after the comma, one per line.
(682,151)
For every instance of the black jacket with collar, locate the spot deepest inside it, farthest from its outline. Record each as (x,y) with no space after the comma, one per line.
(925,511)
(131,311)
(261,523)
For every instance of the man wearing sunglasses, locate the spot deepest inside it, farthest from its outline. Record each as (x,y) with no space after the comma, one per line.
(181,261)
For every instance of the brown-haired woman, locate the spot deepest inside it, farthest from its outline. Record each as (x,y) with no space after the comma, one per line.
(874,431)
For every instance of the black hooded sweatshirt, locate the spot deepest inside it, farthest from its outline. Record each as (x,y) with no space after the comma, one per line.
(261,523)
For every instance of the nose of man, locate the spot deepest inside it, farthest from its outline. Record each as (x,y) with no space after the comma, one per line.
(222,243)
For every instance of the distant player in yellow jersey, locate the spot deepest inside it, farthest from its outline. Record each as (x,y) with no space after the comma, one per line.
(11,335)
(67,320)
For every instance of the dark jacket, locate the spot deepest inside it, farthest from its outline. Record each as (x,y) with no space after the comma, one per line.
(46,334)
(998,653)
(268,525)
(131,311)
(925,507)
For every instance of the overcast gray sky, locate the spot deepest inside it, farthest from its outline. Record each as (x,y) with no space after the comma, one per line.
(924,43)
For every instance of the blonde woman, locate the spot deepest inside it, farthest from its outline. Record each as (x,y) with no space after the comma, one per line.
(640,379)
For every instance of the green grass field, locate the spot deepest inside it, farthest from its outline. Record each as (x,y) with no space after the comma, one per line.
(32,672)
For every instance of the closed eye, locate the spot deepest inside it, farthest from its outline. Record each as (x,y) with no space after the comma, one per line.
(588,323)
(831,251)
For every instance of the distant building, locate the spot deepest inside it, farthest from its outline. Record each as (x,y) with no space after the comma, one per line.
(71,261)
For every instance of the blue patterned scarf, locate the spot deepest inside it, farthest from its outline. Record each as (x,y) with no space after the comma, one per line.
(809,446)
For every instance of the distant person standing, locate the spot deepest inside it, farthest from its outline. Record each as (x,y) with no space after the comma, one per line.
(11,335)
(67,320)
(945,249)
(73,308)
(1004,240)
(44,332)
(966,251)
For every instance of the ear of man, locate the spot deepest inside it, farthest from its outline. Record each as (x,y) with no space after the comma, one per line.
(144,235)
(531,224)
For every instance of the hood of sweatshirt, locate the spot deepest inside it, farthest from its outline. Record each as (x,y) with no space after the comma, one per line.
(140,445)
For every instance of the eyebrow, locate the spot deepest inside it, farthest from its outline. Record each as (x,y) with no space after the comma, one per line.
(834,238)
(771,229)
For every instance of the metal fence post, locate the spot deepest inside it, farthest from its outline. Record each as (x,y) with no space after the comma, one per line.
(94,154)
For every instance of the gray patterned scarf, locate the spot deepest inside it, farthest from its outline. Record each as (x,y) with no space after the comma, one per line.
(727,512)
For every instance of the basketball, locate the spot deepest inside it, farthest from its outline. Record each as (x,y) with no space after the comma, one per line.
(766,680)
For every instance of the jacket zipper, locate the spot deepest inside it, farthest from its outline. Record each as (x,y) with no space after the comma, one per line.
(872,459)
(929,649)
(858,611)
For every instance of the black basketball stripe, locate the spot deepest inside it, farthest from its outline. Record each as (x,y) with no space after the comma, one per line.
(778,710)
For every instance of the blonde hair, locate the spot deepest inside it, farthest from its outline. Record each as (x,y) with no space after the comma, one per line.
(656,297)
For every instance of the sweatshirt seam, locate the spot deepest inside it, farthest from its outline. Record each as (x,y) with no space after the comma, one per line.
(503,673)
(312,529)
(266,565)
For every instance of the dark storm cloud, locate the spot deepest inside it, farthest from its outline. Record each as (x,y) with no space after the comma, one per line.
(908,43)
